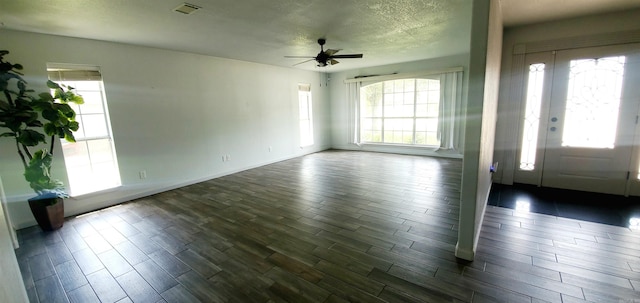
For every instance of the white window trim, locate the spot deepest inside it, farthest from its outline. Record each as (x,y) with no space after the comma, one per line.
(448,132)
(306,88)
(90,73)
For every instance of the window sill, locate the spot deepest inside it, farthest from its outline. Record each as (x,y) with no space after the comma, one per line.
(427,147)
(95,193)
(427,150)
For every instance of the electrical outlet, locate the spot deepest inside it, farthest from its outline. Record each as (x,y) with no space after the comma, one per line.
(228,158)
(224,158)
(143,174)
(270,148)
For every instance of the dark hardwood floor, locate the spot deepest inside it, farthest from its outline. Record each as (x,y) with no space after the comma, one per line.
(335,226)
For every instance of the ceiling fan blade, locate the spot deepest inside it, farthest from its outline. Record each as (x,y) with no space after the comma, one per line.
(331,52)
(348,56)
(304,61)
(325,57)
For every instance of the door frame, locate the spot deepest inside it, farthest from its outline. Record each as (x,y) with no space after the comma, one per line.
(534,176)
(619,158)
(515,93)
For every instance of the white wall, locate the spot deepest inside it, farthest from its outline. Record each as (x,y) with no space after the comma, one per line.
(12,288)
(577,31)
(484,75)
(173,114)
(340,129)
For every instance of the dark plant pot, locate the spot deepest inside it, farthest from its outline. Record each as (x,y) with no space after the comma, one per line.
(48,211)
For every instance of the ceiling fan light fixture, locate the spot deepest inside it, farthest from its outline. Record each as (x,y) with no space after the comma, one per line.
(325,57)
(186,8)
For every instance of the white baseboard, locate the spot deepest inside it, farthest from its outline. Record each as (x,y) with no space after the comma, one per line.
(465,254)
(71,210)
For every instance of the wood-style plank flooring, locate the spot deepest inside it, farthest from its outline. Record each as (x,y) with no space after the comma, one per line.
(335,226)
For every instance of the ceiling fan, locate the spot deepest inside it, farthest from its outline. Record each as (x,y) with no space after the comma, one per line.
(327,57)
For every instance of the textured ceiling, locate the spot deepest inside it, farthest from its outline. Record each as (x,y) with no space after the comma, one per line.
(265,31)
(258,30)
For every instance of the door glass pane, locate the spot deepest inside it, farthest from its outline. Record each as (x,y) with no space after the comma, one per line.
(593,100)
(532,117)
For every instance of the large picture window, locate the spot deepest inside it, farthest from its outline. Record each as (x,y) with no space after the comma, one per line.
(401,111)
(91,161)
(417,109)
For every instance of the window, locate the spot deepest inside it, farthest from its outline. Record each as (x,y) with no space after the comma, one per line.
(91,162)
(532,117)
(306,115)
(401,111)
(593,102)
(420,109)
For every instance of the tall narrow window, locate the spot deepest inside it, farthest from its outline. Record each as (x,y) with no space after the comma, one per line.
(91,162)
(404,111)
(532,117)
(306,115)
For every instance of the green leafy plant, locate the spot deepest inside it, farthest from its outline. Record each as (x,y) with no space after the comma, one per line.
(30,118)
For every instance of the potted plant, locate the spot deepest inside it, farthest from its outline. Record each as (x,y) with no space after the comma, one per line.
(28,119)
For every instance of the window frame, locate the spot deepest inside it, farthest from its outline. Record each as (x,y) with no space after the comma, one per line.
(451,126)
(413,117)
(70,74)
(305,96)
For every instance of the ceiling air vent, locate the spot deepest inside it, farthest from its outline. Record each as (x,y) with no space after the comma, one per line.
(186,8)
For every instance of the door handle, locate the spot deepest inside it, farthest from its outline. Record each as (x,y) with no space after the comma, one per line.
(553,128)
(554,119)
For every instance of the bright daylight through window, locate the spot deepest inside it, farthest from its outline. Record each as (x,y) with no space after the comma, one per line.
(306,115)
(91,162)
(593,101)
(404,111)
(532,117)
